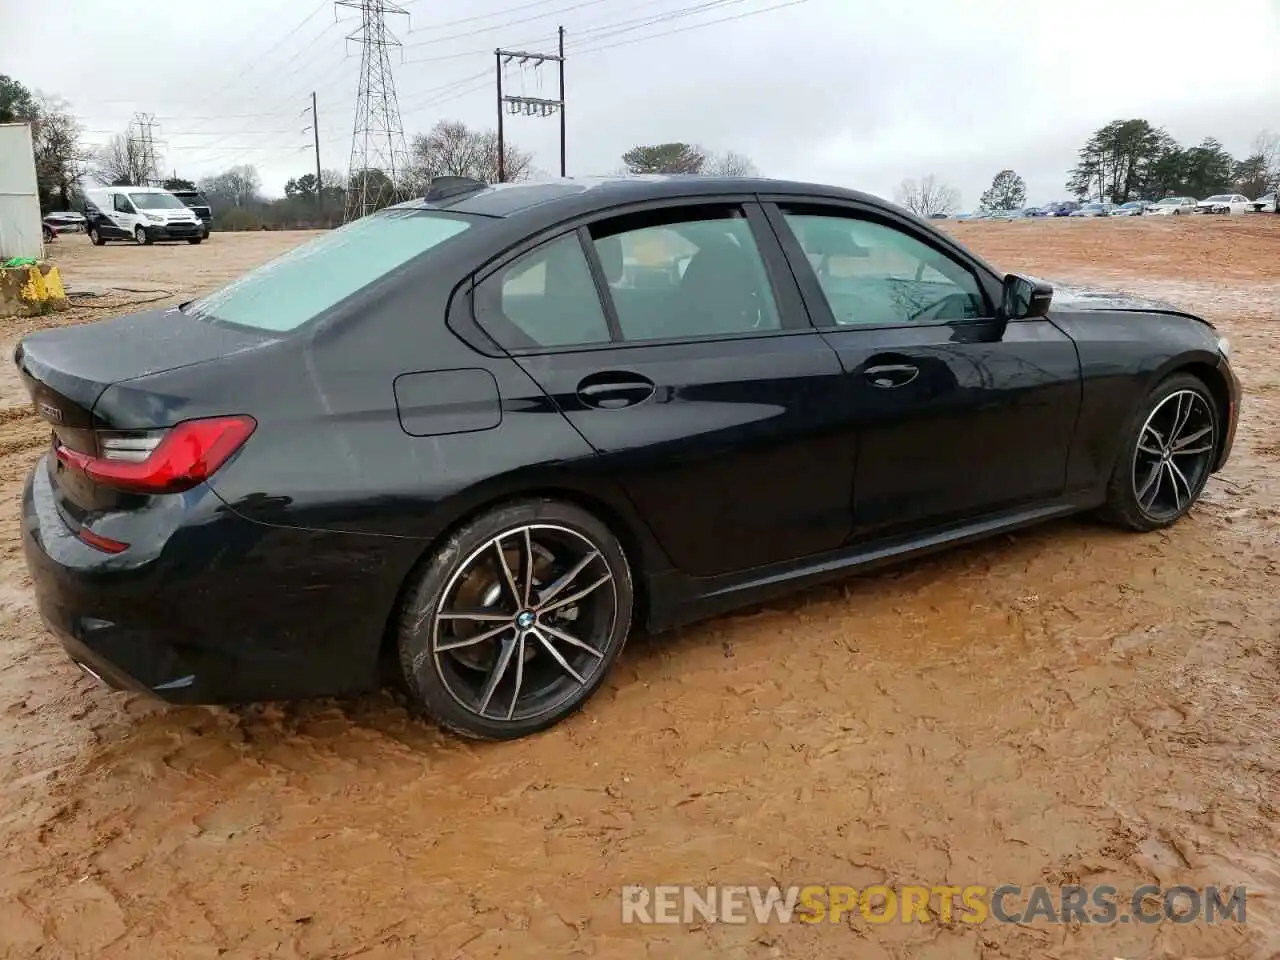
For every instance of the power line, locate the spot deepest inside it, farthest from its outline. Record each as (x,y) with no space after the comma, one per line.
(502,26)
(692,26)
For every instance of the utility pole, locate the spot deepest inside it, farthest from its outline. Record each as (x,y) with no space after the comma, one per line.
(315,133)
(379,157)
(560,33)
(502,145)
(528,106)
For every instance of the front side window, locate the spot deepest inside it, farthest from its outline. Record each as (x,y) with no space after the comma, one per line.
(545,298)
(685,273)
(876,275)
(122,204)
(286,292)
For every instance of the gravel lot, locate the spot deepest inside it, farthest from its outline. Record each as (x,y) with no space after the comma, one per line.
(1070,704)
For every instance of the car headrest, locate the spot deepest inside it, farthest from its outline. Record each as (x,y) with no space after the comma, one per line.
(830,238)
(609,250)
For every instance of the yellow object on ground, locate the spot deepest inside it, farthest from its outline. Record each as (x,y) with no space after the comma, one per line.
(25,291)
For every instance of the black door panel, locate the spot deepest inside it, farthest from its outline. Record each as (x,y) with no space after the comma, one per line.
(737,457)
(953,422)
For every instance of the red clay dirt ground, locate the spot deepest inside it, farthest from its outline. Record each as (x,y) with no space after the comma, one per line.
(1071,704)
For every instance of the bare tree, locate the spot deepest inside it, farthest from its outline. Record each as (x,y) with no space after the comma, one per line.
(121,162)
(235,187)
(729,164)
(1267,146)
(928,197)
(452,149)
(60,156)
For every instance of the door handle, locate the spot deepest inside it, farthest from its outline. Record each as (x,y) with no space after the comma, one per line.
(612,391)
(889,375)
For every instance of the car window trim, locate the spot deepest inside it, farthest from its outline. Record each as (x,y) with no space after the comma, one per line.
(819,309)
(793,314)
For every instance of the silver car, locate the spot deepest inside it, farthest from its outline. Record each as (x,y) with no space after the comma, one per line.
(1172,207)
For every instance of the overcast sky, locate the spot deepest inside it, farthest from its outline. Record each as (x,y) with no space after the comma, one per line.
(860,93)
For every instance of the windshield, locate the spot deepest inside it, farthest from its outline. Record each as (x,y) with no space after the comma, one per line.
(1221,196)
(308,280)
(156,201)
(1171,202)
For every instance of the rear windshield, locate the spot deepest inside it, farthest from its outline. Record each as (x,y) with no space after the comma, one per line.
(287,292)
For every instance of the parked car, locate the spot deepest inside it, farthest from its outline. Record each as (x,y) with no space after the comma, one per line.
(475,453)
(199,205)
(1095,209)
(962,216)
(1007,215)
(1225,203)
(65,221)
(1034,212)
(1134,208)
(1061,208)
(141,214)
(1266,204)
(1172,206)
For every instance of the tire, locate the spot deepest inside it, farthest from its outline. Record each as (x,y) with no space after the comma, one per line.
(48,235)
(95,237)
(195,240)
(1131,500)
(140,237)
(551,679)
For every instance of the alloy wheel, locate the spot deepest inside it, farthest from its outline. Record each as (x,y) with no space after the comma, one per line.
(1174,453)
(524,623)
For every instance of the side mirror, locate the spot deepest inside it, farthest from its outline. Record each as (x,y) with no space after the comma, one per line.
(1025,297)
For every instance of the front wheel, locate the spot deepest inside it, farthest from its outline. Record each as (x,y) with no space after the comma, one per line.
(195,240)
(1165,461)
(513,624)
(140,236)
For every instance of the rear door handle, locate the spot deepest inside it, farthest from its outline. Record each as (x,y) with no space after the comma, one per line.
(889,375)
(612,391)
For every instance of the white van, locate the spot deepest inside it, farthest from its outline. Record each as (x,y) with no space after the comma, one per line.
(140,214)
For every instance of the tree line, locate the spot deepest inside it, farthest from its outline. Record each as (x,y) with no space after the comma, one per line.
(1125,160)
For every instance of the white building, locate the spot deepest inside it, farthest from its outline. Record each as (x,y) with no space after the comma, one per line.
(20,234)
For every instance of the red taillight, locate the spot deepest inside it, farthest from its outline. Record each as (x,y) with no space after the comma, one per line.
(187,455)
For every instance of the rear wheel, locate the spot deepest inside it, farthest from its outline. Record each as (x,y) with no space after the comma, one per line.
(95,237)
(513,623)
(194,240)
(48,234)
(1165,461)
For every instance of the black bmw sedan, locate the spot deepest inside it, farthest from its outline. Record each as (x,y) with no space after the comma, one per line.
(479,437)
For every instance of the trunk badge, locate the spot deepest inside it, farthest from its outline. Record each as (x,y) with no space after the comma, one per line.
(49,411)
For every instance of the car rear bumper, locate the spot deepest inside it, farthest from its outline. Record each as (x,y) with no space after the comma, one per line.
(220,611)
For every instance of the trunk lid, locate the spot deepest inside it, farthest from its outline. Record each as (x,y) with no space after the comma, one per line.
(66,370)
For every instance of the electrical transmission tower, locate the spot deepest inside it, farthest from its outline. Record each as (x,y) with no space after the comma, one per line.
(143,147)
(379,157)
(528,106)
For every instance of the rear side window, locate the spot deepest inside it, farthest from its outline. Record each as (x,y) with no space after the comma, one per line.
(696,272)
(545,298)
(308,280)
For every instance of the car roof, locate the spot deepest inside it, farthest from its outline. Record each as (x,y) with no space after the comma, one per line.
(586,193)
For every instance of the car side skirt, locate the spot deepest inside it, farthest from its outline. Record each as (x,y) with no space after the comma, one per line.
(678,599)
